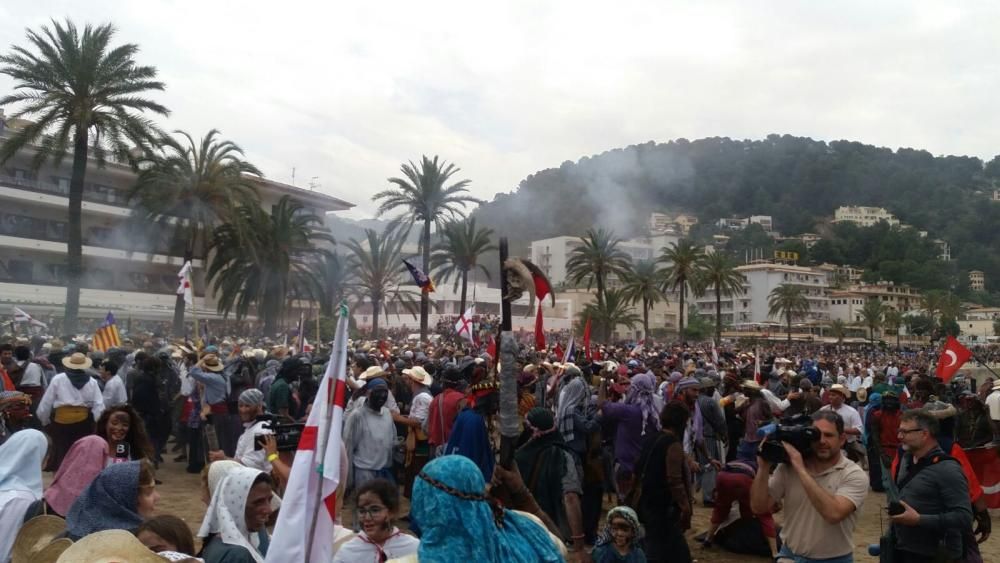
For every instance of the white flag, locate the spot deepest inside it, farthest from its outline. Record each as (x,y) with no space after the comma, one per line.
(21,317)
(715,355)
(305,529)
(184,283)
(464,325)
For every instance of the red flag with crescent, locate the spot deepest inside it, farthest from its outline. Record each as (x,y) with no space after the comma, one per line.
(952,358)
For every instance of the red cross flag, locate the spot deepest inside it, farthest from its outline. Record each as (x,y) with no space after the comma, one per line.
(184,283)
(952,358)
(464,325)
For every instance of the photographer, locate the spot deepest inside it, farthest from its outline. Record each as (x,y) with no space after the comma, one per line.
(933,493)
(821,494)
(251,407)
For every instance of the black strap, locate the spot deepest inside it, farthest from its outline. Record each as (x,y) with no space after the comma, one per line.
(916,468)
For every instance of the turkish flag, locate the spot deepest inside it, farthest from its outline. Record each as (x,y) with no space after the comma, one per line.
(539,330)
(952,358)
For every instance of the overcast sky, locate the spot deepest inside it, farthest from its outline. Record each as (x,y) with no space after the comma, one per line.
(347,91)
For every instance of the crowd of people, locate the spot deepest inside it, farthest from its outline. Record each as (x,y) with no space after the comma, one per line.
(618,444)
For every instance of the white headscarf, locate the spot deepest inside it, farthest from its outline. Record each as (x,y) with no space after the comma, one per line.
(21,462)
(226,515)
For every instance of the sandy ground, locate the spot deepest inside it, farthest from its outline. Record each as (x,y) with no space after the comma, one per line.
(180,496)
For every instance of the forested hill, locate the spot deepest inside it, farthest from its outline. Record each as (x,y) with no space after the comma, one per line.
(798,181)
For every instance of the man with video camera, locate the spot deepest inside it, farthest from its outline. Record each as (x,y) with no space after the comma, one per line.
(821,489)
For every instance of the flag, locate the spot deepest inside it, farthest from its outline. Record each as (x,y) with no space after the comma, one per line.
(715,355)
(306,347)
(107,335)
(539,330)
(986,464)
(184,283)
(464,325)
(756,367)
(570,351)
(558,350)
(586,340)
(491,348)
(21,317)
(298,348)
(542,288)
(420,278)
(304,530)
(383,349)
(952,358)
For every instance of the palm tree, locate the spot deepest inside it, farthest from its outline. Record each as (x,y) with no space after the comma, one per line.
(787,301)
(871,316)
(893,319)
(267,260)
(458,253)
(424,197)
(597,257)
(644,283)
(614,310)
(838,328)
(719,273)
(683,259)
(378,263)
(337,279)
(187,188)
(82,93)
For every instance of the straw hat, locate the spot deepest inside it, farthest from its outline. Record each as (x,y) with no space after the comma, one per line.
(371,373)
(77,360)
(211,363)
(34,536)
(751,385)
(109,546)
(420,375)
(838,388)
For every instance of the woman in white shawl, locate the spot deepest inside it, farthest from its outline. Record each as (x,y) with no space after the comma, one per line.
(234,528)
(21,458)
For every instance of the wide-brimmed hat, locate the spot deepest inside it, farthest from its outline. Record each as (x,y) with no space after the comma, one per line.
(211,363)
(371,373)
(420,375)
(782,361)
(34,536)
(77,360)
(750,384)
(109,546)
(838,388)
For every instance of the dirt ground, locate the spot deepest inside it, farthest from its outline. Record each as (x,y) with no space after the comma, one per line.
(180,496)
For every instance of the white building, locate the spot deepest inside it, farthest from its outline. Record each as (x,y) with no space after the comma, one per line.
(863,216)
(551,254)
(977,280)
(140,284)
(740,223)
(761,278)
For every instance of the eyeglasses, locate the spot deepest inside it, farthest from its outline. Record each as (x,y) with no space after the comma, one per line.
(902,431)
(371,511)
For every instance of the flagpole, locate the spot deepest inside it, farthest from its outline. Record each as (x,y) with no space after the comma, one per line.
(984,364)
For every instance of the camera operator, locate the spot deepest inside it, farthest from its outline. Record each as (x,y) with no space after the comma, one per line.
(251,406)
(933,493)
(821,494)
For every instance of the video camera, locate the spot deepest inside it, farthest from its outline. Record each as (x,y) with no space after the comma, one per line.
(286,434)
(797,431)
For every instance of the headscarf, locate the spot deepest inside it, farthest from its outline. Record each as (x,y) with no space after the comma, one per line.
(21,462)
(226,515)
(110,502)
(605,537)
(543,459)
(217,471)
(84,461)
(458,523)
(251,397)
(640,393)
(573,396)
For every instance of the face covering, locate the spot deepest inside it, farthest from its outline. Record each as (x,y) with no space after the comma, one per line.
(377,398)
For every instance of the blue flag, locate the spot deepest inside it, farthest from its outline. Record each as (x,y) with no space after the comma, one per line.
(420,278)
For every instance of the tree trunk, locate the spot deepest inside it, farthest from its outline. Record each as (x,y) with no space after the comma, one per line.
(645,319)
(897,338)
(425,298)
(718,314)
(179,304)
(74,244)
(680,324)
(465,289)
(375,312)
(600,289)
(788,318)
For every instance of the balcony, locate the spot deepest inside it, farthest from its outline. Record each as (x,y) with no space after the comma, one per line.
(94,193)
(23,226)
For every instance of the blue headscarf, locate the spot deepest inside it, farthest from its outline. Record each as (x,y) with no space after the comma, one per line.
(640,393)
(21,462)
(110,502)
(464,529)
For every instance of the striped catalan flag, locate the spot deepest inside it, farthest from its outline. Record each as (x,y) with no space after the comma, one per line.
(107,336)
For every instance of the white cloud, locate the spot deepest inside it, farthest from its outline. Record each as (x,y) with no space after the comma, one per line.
(346,92)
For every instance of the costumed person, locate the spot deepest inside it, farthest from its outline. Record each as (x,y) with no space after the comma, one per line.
(251,407)
(552,476)
(20,483)
(370,437)
(147,397)
(444,409)
(733,485)
(379,540)
(577,420)
(664,504)
(458,522)
(526,390)
(168,536)
(83,463)
(634,419)
(470,437)
(15,413)
(119,498)
(70,406)
(709,430)
(123,430)
(621,539)
(234,528)
(417,450)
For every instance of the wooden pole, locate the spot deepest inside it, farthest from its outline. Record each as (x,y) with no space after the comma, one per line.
(509,418)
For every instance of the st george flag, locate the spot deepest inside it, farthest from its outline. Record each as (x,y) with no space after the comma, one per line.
(586,340)
(464,325)
(952,358)
(184,283)
(420,278)
(539,330)
(21,317)
(304,531)
(107,335)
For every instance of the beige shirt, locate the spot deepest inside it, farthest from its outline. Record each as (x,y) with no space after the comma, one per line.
(804,531)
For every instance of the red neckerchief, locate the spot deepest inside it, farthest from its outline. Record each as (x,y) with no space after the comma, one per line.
(381,556)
